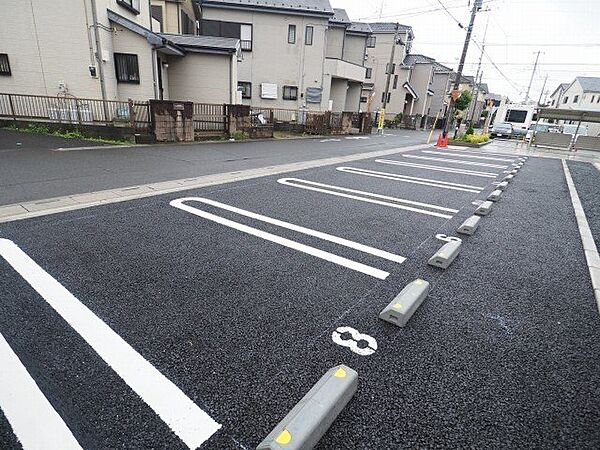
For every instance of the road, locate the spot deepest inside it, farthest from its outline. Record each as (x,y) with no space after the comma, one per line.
(38,170)
(228,296)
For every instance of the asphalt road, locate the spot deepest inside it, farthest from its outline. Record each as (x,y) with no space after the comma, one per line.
(502,354)
(37,171)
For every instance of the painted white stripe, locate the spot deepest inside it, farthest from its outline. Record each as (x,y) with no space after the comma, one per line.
(367,197)
(182,415)
(587,238)
(34,421)
(456,161)
(414,180)
(483,152)
(437,168)
(463,155)
(290,226)
(348,263)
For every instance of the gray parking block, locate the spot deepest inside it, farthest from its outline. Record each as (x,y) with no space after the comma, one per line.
(484,209)
(508,178)
(445,255)
(502,186)
(469,226)
(404,305)
(495,196)
(308,421)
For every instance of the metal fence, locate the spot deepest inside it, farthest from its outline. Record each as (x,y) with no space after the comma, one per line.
(211,118)
(71,110)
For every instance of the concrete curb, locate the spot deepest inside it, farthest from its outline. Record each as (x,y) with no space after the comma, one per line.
(26,210)
(597,165)
(587,239)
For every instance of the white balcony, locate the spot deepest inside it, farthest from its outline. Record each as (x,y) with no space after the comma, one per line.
(339,68)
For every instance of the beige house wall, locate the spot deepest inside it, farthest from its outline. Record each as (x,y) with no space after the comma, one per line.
(200,78)
(172,14)
(440,87)
(273,60)
(354,48)
(48,45)
(420,79)
(337,95)
(335,42)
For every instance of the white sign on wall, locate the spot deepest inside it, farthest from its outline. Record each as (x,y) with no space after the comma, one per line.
(268,90)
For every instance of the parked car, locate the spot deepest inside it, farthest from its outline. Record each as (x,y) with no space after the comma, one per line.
(502,129)
(540,128)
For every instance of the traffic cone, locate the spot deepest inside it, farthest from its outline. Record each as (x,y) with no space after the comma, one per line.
(440,142)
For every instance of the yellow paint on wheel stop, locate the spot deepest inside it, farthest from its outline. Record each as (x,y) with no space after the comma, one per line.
(340,373)
(397,306)
(284,437)
(418,281)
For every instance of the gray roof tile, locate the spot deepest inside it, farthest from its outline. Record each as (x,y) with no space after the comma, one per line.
(589,84)
(389,27)
(340,16)
(307,6)
(360,27)
(202,42)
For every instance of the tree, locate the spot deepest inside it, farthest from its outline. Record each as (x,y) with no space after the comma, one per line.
(463,101)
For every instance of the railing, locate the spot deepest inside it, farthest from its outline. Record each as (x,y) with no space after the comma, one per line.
(210,118)
(72,110)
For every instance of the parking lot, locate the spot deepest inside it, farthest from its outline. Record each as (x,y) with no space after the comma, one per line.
(200,318)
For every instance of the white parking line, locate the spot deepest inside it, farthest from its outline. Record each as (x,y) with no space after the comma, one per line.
(34,421)
(437,168)
(482,152)
(357,138)
(463,155)
(414,180)
(330,140)
(179,203)
(363,268)
(182,415)
(367,197)
(456,161)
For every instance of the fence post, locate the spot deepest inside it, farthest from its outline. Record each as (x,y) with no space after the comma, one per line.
(12,107)
(131,113)
(226,122)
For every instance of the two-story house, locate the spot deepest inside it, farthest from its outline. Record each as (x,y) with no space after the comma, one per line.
(283,44)
(296,53)
(112,50)
(379,46)
(583,94)
(556,97)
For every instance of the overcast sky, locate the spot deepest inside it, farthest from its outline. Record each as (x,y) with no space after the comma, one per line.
(566,31)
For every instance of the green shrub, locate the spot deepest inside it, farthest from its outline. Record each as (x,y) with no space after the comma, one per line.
(470,131)
(473,138)
(239,135)
(398,118)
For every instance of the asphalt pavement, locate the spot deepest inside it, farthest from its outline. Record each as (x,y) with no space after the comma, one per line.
(38,170)
(232,293)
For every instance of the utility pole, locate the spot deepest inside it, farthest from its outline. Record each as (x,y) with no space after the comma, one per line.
(386,93)
(449,118)
(390,67)
(476,88)
(543,89)
(537,58)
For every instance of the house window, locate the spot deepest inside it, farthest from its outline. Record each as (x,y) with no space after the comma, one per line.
(290,92)
(364,99)
(218,28)
(387,68)
(245,87)
(246,37)
(576,99)
(395,81)
(565,100)
(131,5)
(369,73)
(592,100)
(126,68)
(292,34)
(308,35)
(157,14)
(187,24)
(268,91)
(371,40)
(598,101)
(389,96)
(4,65)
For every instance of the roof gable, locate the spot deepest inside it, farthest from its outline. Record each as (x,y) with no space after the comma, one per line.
(589,84)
